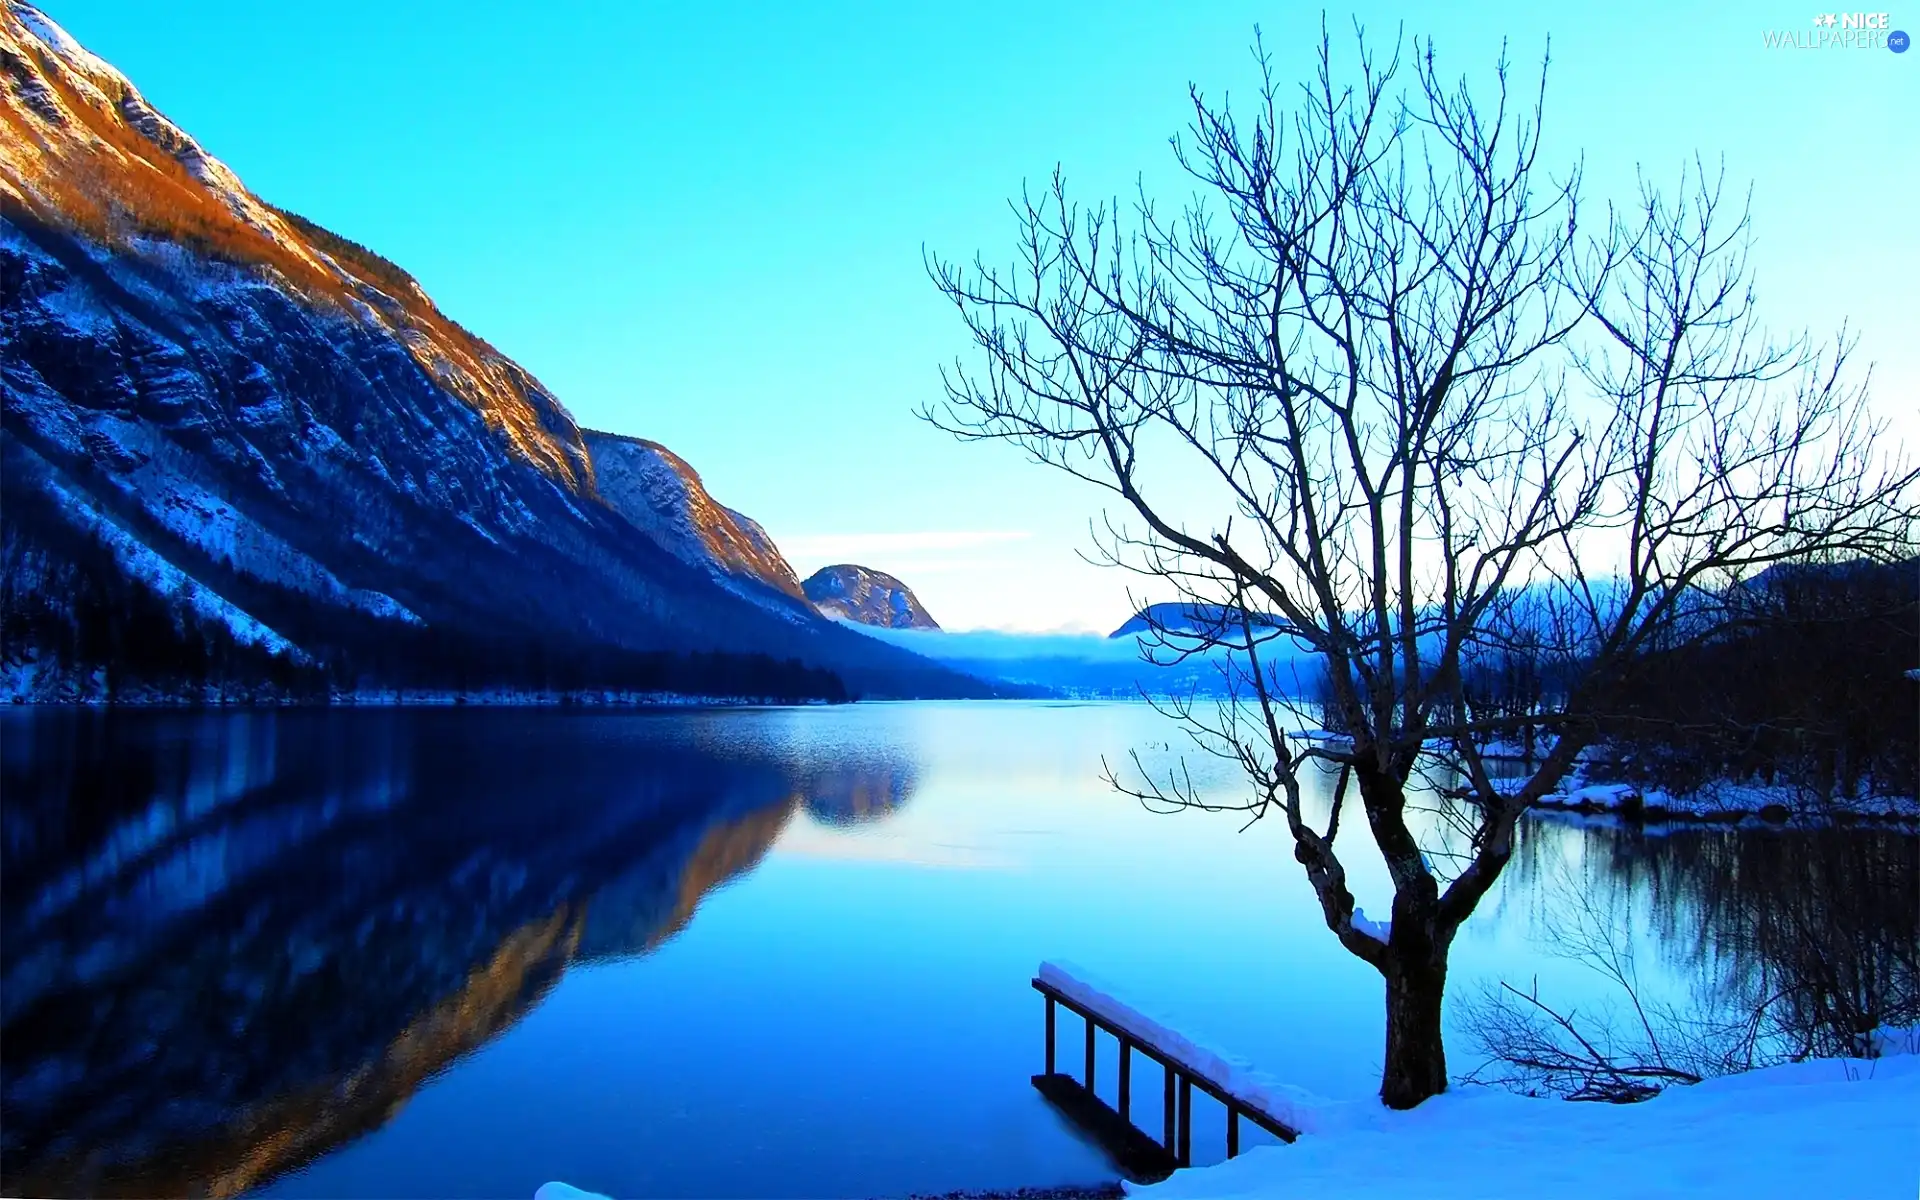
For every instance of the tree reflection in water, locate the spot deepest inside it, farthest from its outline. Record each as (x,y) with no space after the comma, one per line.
(1800,941)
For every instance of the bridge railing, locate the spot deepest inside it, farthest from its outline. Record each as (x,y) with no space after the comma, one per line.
(1181,1072)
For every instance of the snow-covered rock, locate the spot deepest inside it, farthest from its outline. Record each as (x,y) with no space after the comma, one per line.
(867,597)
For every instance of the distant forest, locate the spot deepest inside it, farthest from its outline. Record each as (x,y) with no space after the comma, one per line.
(1809,684)
(69,606)
(1812,687)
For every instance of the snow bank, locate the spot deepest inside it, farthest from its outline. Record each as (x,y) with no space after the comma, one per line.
(1891,1040)
(1325,737)
(1825,1128)
(1719,800)
(1725,800)
(1296,1107)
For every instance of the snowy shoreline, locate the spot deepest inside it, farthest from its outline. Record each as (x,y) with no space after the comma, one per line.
(22,686)
(1826,1127)
(1839,1127)
(1725,803)
(1720,802)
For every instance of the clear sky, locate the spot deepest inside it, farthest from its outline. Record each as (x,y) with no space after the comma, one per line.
(703,223)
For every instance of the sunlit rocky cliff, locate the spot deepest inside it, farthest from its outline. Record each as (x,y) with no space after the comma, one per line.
(661,493)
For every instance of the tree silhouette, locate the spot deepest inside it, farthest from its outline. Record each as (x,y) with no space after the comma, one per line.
(1387,393)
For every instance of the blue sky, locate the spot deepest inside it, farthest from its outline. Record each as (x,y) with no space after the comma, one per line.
(703,223)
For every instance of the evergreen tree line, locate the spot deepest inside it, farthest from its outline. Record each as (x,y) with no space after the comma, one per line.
(67,604)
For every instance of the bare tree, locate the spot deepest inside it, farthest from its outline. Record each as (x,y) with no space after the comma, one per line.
(1381,393)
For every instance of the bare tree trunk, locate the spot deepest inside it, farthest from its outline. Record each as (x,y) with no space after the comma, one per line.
(1415,962)
(1416,1066)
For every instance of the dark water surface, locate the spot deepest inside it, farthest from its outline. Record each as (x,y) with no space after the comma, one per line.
(708,953)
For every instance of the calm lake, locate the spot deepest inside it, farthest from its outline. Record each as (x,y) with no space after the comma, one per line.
(779,952)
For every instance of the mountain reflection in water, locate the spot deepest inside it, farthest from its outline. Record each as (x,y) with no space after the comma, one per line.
(334,953)
(230,945)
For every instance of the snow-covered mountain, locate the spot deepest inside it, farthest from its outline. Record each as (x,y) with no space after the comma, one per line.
(867,597)
(1179,617)
(661,493)
(228,423)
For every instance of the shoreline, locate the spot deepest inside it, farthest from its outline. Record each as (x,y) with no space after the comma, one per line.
(1726,803)
(1831,1126)
(1114,1190)
(387,700)
(1769,817)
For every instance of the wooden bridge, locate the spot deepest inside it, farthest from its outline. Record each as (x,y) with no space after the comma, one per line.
(1139,1156)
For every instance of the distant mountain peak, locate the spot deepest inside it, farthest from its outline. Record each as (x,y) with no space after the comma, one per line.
(1186,617)
(867,597)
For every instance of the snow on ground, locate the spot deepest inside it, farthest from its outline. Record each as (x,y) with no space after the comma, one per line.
(140,562)
(1840,1128)
(1828,1128)
(1718,800)
(1722,799)
(166,489)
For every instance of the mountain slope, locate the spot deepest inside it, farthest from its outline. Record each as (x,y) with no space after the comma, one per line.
(275,432)
(86,152)
(868,597)
(659,492)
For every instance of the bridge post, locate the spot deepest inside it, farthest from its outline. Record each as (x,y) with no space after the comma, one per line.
(1233,1132)
(1185,1153)
(1126,1077)
(1090,1031)
(1167,1108)
(1050,1003)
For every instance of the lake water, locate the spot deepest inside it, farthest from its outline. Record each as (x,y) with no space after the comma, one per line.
(701,953)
